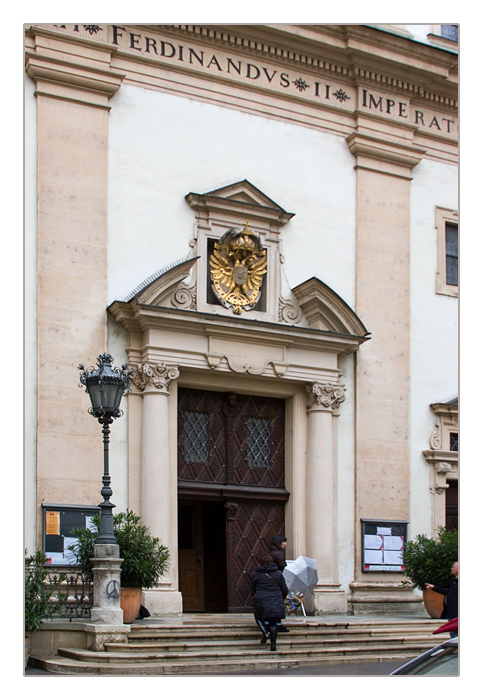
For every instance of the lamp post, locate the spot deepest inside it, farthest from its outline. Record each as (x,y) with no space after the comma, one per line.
(106,386)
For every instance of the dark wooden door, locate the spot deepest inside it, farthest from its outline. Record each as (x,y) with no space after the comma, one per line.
(231,451)
(190,556)
(452,505)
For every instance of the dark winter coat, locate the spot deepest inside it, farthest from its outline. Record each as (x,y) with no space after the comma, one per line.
(269,590)
(450,605)
(276,552)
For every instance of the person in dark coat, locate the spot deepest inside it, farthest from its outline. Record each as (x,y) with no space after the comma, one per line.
(450,604)
(269,589)
(276,549)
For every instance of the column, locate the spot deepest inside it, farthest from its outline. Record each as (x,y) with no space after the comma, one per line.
(322,540)
(153,380)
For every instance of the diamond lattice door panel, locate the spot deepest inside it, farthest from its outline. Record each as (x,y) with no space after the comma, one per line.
(250,527)
(231,439)
(258,435)
(201,436)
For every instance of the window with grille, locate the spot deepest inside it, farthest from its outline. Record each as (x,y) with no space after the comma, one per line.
(258,442)
(195,434)
(453,442)
(451,254)
(446,221)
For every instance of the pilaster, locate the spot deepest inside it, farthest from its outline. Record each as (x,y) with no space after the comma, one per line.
(384,153)
(73,83)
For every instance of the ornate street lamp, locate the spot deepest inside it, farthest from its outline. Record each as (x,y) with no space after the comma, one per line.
(106,386)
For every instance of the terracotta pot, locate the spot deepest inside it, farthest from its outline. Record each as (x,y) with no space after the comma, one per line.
(130,603)
(433,602)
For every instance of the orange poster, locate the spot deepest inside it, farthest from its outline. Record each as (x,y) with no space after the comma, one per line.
(52,522)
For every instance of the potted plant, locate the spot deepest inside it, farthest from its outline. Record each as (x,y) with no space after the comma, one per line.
(42,600)
(145,559)
(429,560)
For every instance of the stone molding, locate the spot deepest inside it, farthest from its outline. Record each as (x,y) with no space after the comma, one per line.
(324,396)
(391,157)
(214,360)
(300,45)
(445,465)
(328,71)
(65,68)
(444,462)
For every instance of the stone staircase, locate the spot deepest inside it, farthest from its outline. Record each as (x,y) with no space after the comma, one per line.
(197,647)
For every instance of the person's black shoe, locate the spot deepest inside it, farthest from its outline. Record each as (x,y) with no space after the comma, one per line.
(282,628)
(264,638)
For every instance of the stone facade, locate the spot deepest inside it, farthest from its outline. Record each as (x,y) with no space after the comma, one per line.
(336,149)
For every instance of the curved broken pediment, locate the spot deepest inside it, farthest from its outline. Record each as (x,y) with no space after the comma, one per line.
(325,310)
(161,288)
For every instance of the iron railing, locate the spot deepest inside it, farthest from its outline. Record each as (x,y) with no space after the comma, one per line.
(72,589)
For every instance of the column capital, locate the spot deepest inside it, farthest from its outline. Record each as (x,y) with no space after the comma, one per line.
(153,375)
(326,397)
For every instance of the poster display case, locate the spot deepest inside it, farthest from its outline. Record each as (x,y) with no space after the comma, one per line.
(382,544)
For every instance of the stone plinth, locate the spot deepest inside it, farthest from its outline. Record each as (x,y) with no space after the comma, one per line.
(106,569)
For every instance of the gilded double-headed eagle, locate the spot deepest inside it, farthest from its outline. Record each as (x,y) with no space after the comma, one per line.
(237,266)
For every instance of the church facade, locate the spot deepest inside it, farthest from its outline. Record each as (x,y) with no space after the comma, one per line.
(261,222)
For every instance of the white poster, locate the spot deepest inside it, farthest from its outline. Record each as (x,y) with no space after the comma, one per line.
(393,557)
(394,542)
(373,542)
(373,556)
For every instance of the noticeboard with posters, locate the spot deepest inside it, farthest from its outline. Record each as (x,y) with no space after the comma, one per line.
(58,523)
(382,544)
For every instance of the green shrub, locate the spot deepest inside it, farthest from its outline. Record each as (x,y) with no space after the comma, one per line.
(145,559)
(42,600)
(428,560)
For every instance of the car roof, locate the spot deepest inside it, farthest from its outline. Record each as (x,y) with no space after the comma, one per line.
(453,642)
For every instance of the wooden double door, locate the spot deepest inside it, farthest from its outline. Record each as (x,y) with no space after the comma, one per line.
(231,493)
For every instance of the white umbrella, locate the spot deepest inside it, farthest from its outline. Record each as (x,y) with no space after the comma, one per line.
(301,575)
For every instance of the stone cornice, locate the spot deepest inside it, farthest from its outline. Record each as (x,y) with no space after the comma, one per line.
(376,58)
(136,318)
(354,54)
(340,79)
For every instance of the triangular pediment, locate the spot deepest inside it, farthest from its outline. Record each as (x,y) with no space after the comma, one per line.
(241,197)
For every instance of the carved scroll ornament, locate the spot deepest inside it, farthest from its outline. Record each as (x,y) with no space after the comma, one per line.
(328,396)
(158,375)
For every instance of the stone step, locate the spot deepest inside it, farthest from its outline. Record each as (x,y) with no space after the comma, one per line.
(152,655)
(304,643)
(310,630)
(311,634)
(100,663)
(60,665)
(190,648)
